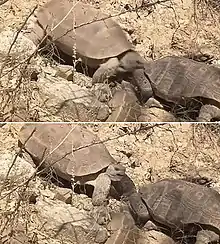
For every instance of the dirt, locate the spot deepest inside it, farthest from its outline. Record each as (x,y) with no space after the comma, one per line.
(170,28)
(188,28)
(150,152)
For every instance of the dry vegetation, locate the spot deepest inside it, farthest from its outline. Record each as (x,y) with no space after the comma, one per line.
(149,152)
(187,28)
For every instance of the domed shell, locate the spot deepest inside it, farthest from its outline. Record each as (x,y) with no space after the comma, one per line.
(96,36)
(176,203)
(72,150)
(176,79)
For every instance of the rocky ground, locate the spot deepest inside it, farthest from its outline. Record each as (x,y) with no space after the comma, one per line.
(33,208)
(187,28)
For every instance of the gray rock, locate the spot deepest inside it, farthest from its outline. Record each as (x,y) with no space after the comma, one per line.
(68,223)
(68,101)
(155,114)
(16,170)
(124,105)
(154,237)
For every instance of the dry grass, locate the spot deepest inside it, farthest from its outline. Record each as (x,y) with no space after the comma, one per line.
(18,103)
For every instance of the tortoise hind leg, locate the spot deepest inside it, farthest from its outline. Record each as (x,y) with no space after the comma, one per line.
(208,112)
(106,70)
(101,189)
(206,236)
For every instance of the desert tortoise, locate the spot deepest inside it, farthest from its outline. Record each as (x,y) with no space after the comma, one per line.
(181,80)
(77,155)
(92,164)
(184,206)
(98,40)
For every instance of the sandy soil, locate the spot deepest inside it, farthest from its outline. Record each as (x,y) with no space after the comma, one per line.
(185,28)
(175,27)
(150,152)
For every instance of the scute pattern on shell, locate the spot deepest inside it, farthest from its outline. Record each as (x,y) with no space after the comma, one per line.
(173,78)
(91,158)
(91,38)
(176,203)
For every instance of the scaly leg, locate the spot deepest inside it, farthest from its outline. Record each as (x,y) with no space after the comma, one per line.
(106,70)
(101,189)
(140,80)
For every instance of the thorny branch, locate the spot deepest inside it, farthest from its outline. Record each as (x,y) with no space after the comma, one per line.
(16,37)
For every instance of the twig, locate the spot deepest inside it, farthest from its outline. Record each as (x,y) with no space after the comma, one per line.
(3,1)
(83,24)
(15,38)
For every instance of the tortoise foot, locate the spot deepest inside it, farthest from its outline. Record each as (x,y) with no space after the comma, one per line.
(139,208)
(140,80)
(101,189)
(105,71)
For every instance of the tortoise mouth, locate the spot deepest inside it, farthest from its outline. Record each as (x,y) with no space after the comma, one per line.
(116,172)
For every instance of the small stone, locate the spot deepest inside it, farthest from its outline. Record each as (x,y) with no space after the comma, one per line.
(63,194)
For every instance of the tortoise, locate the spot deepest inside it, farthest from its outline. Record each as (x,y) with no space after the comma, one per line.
(183,206)
(98,40)
(180,81)
(76,155)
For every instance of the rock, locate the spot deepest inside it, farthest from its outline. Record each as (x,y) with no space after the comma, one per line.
(68,223)
(23,46)
(123,229)
(16,235)
(154,237)
(155,115)
(63,194)
(65,71)
(14,169)
(124,105)
(59,97)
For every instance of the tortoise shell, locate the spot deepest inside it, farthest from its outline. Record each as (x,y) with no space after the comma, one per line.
(178,203)
(71,150)
(175,79)
(96,36)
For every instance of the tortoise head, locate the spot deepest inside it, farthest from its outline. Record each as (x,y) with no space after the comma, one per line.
(115,172)
(131,61)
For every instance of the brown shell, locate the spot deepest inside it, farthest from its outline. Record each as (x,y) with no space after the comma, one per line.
(174,78)
(176,203)
(67,163)
(98,40)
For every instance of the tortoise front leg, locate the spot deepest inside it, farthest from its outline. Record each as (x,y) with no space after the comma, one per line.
(142,82)
(126,188)
(140,79)
(101,191)
(106,70)
(206,236)
(138,208)
(208,112)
